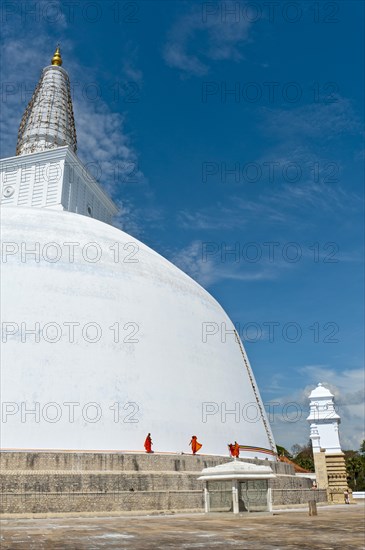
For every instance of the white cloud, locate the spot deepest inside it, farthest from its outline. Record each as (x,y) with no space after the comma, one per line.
(221,39)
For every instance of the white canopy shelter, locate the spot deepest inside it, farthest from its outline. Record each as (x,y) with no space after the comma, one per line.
(237,486)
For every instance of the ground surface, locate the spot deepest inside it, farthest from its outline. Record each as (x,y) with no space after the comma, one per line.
(334,528)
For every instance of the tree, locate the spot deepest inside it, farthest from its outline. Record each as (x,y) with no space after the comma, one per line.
(296,449)
(362,448)
(355,466)
(304,456)
(282,451)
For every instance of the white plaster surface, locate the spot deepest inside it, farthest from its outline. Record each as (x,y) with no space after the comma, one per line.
(237,469)
(53,179)
(160,381)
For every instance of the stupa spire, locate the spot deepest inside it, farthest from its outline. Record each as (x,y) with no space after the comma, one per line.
(48,120)
(57,59)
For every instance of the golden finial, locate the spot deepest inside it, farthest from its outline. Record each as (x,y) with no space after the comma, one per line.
(57,59)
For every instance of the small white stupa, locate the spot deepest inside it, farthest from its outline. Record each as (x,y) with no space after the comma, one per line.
(329,460)
(324,421)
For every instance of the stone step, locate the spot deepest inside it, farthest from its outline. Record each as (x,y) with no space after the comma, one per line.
(101,482)
(114,461)
(124,501)
(105,461)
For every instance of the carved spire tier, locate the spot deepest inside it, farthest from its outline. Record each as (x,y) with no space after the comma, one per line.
(48,121)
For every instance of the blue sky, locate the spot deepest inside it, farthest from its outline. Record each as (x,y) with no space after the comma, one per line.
(153,85)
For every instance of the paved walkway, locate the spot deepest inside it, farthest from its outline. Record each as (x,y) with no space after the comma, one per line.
(336,527)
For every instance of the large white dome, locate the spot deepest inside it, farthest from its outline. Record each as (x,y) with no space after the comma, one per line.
(161,381)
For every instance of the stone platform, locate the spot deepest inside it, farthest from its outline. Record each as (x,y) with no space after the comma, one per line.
(102,482)
(334,528)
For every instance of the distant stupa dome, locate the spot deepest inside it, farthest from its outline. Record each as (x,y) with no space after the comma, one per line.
(103,339)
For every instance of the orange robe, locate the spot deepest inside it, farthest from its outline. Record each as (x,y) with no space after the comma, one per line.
(148,444)
(231,449)
(236,450)
(195,446)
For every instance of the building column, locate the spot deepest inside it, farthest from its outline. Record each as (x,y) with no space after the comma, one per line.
(236,507)
(206,499)
(269,499)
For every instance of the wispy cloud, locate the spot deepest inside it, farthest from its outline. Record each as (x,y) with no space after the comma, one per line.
(208,268)
(317,119)
(309,136)
(219,40)
(102,141)
(298,172)
(281,205)
(130,63)
(134,219)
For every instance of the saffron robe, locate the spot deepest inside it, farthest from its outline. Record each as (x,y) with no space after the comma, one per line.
(148,444)
(236,450)
(195,446)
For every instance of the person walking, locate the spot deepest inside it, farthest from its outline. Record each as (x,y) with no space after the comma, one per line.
(148,444)
(195,446)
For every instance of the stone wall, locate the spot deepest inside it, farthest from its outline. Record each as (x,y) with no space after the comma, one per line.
(287,497)
(290,482)
(101,461)
(54,482)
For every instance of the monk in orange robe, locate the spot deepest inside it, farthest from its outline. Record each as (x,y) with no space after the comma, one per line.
(231,449)
(236,450)
(195,446)
(148,444)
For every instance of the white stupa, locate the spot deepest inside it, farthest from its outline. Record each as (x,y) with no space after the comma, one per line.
(324,421)
(102,338)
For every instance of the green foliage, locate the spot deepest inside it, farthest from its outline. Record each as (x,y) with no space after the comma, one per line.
(283,452)
(362,447)
(355,462)
(355,466)
(305,460)
(303,456)
(296,449)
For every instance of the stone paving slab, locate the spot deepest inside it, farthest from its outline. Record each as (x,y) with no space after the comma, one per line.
(336,527)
